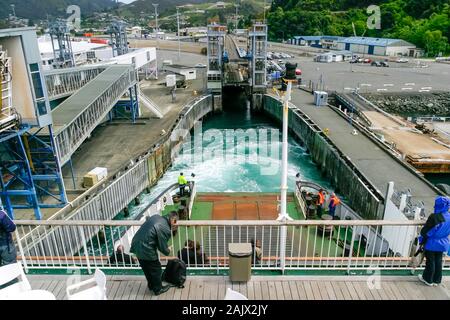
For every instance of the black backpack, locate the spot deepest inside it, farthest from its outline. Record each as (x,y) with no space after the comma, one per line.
(175,273)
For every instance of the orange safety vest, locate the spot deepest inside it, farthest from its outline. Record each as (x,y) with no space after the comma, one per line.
(335,200)
(321,199)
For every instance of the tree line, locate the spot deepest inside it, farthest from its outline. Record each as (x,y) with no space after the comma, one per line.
(425,23)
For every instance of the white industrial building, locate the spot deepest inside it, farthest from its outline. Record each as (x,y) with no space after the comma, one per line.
(144,60)
(379,46)
(84,52)
(136,32)
(189,73)
(334,56)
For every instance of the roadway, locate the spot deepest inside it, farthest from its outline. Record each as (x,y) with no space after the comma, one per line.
(376,164)
(231,48)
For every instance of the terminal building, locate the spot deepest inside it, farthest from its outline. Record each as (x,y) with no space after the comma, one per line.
(360,45)
(379,46)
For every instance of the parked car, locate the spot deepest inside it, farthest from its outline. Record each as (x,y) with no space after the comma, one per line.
(384,64)
(376,64)
(402,60)
(367,60)
(298,72)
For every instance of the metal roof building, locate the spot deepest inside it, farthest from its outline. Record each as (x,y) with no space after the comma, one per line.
(306,40)
(378,46)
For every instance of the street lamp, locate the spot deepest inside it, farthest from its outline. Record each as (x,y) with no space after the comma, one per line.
(236,17)
(288,79)
(178,26)
(283,215)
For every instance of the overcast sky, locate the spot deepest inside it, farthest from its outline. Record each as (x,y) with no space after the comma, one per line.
(126,1)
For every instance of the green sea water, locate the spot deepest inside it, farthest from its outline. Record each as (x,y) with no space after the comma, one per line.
(239,166)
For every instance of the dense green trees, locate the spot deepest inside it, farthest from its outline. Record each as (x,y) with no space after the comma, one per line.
(425,23)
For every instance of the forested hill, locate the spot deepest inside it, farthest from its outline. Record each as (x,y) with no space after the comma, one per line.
(39,9)
(425,23)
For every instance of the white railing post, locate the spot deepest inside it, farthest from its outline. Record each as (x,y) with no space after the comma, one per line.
(283,236)
(22,253)
(350,254)
(86,253)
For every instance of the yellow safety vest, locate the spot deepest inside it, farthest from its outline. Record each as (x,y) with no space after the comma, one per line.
(182,180)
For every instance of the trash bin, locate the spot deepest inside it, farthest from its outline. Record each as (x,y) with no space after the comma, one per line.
(240,255)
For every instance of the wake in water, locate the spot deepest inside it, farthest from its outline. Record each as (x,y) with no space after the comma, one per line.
(238,167)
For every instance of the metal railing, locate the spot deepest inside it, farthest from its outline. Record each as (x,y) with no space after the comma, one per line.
(76,132)
(362,194)
(310,244)
(63,82)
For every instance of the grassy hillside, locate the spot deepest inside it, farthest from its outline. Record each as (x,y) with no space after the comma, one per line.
(39,9)
(249,9)
(425,23)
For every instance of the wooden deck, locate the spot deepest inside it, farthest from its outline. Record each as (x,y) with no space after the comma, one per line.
(260,288)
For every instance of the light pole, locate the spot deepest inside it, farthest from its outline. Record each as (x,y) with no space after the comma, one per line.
(236,17)
(264,15)
(283,215)
(156,17)
(178,26)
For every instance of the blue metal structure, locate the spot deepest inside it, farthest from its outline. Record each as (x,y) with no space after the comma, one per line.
(127,108)
(45,166)
(30,171)
(16,179)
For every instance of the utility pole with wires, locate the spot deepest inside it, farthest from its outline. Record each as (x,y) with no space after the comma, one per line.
(155,5)
(264,16)
(13,8)
(178,26)
(236,17)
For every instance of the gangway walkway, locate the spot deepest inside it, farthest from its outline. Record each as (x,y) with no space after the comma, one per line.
(64,82)
(76,118)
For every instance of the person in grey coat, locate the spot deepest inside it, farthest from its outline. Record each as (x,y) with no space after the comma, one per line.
(153,236)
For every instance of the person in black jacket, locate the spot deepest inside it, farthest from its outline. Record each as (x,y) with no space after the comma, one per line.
(191,254)
(120,257)
(7,248)
(153,236)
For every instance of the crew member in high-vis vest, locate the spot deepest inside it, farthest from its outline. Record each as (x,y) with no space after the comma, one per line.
(182,182)
(334,202)
(320,202)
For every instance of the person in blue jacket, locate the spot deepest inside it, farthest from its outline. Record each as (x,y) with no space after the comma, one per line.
(7,247)
(434,238)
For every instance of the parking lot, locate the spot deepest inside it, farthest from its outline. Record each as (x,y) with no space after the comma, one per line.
(398,77)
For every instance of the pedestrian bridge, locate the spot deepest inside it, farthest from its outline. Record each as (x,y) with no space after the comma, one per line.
(76,117)
(62,83)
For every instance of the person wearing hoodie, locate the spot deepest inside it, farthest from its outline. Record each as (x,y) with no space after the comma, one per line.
(7,247)
(434,237)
